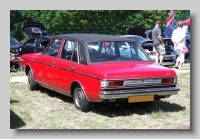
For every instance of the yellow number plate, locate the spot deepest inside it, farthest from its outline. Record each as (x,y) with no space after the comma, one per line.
(140,98)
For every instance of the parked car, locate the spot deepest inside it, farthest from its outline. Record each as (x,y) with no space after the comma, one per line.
(15,64)
(14,44)
(116,69)
(167,33)
(170,58)
(37,38)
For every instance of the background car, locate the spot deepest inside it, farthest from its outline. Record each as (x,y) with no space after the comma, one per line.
(93,68)
(14,45)
(167,33)
(34,45)
(15,64)
(170,58)
(37,38)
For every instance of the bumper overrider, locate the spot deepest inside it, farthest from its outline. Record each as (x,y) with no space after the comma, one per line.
(118,94)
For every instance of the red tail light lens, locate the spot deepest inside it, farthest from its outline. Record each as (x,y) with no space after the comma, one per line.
(117,83)
(168,80)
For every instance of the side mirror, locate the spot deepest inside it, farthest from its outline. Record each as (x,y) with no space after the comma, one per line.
(142,44)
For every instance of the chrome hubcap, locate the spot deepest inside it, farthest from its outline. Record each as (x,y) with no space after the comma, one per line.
(79,98)
(29,79)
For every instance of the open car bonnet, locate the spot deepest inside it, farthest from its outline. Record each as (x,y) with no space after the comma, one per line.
(33,29)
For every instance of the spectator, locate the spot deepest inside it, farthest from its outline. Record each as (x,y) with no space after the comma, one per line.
(178,38)
(158,42)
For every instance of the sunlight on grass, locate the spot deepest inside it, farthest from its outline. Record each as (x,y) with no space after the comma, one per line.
(45,109)
(19,73)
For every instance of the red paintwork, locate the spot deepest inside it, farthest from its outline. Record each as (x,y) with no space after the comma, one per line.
(127,70)
(11,60)
(90,76)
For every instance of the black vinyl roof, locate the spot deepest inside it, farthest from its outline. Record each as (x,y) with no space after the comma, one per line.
(93,37)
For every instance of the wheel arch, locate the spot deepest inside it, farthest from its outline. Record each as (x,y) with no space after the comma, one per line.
(73,86)
(27,68)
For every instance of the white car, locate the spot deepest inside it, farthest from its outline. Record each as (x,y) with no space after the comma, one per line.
(170,58)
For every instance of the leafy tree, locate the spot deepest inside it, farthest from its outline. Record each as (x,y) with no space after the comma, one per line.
(91,21)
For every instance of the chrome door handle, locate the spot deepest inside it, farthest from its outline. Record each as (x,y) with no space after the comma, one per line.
(72,68)
(53,63)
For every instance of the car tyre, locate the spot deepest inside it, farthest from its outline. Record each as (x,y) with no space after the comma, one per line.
(80,101)
(17,65)
(32,84)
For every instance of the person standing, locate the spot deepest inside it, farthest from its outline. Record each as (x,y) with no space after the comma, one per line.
(158,43)
(178,38)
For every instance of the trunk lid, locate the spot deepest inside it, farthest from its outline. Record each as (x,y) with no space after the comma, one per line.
(130,70)
(33,29)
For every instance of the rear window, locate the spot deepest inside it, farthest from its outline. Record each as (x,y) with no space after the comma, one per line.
(13,41)
(116,51)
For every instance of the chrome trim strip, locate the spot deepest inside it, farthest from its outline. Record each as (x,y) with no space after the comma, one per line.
(139,86)
(138,92)
(54,88)
(127,79)
(60,90)
(65,69)
(94,76)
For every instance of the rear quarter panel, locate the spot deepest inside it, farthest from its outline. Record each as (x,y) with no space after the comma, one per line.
(90,79)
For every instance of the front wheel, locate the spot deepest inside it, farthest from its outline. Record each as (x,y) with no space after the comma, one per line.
(80,101)
(32,84)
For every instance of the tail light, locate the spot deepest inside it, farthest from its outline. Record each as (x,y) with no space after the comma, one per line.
(116,83)
(105,84)
(169,80)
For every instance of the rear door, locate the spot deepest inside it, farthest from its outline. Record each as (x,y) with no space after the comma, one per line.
(65,66)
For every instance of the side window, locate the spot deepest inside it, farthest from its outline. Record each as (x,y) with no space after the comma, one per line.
(53,48)
(32,42)
(124,50)
(69,51)
(43,42)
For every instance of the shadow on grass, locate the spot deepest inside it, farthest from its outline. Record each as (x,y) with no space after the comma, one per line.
(121,109)
(15,121)
(127,109)
(14,101)
(56,94)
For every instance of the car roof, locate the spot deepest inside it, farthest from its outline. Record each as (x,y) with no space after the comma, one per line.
(131,36)
(93,37)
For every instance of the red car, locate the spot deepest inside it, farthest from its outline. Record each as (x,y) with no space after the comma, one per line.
(15,64)
(94,68)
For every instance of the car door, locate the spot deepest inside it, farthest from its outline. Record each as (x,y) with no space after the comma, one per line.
(64,67)
(29,46)
(47,62)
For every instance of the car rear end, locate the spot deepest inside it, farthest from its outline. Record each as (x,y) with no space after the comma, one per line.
(136,82)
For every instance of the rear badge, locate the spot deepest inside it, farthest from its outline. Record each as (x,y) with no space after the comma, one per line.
(167,74)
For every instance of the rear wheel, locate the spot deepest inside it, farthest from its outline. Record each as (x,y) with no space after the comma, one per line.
(80,101)
(32,84)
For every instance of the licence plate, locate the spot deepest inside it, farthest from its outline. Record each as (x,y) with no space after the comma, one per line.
(140,98)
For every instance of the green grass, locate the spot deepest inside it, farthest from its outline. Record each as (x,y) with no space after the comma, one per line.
(185,65)
(45,109)
(19,73)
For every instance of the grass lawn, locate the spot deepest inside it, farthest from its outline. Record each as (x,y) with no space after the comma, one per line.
(45,109)
(19,73)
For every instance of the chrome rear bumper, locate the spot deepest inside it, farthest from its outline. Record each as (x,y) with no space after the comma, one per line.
(117,94)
